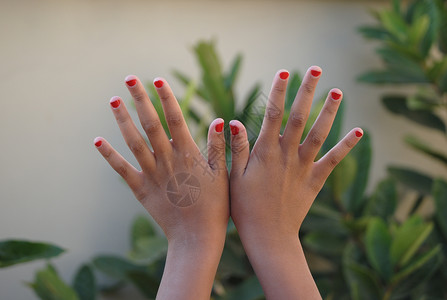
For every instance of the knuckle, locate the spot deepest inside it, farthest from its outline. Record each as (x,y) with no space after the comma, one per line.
(329,109)
(139,97)
(279,89)
(334,161)
(122,171)
(238,147)
(174,120)
(151,127)
(138,147)
(273,113)
(107,154)
(316,140)
(298,120)
(165,97)
(349,143)
(216,147)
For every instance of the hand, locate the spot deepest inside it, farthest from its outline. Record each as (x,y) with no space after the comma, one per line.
(273,187)
(186,194)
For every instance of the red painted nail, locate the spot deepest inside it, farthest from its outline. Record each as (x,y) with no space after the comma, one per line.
(284,75)
(234,130)
(131,82)
(98,143)
(358,133)
(335,95)
(115,103)
(219,127)
(158,83)
(315,73)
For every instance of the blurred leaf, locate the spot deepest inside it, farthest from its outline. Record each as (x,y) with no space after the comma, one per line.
(49,286)
(374,32)
(334,135)
(418,30)
(250,289)
(390,77)
(443,83)
(316,108)
(394,23)
(149,249)
(412,179)
(440,198)
(230,78)
(442,41)
(145,283)
(398,63)
(353,199)
(115,267)
(18,251)
(252,96)
(84,283)
(407,239)
(141,228)
(414,142)
(398,105)
(342,176)
(438,69)
(383,202)
(324,242)
(378,243)
(292,89)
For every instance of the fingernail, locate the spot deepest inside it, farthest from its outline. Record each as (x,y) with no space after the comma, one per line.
(219,127)
(131,82)
(158,83)
(98,142)
(358,133)
(115,102)
(284,75)
(315,73)
(335,95)
(234,129)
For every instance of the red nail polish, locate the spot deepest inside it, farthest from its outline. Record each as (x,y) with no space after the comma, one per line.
(234,129)
(335,95)
(158,83)
(115,103)
(219,127)
(358,133)
(98,143)
(284,75)
(131,82)
(315,73)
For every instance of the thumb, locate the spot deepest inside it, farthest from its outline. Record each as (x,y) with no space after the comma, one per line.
(216,145)
(240,148)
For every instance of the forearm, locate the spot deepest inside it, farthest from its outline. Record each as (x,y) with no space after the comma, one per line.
(281,268)
(190,268)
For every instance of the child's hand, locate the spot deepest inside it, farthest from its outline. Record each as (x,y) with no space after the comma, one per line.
(186,194)
(273,187)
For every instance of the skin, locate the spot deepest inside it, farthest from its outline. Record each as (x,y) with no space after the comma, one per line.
(195,233)
(272,188)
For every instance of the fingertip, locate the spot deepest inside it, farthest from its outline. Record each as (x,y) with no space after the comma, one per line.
(358,132)
(336,94)
(283,74)
(115,102)
(98,141)
(131,80)
(218,125)
(159,82)
(315,71)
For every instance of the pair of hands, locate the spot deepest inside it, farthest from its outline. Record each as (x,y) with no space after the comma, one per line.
(271,189)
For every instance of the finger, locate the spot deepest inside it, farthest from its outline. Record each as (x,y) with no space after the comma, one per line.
(322,126)
(148,116)
(271,125)
(216,145)
(328,162)
(173,114)
(131,135)
(240,149)
(300,109)
(131,175)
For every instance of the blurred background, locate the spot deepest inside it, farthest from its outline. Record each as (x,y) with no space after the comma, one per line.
(61,62)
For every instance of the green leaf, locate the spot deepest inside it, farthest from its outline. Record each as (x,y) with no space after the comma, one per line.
(230,79)
(417,264)
(292,89)
(85,284)
(374,32)
(343,176)
(440,198)
(149,249)
(324,242)
(145,283)
(378,243)
(412,179)
(442,41)
(443,83)
(418,30)
(394,23)
(353,199)
(334,134)
(407,240)
(115,267)
(391,77)
(142,227)
(383,202)
(49,286)
(249,289)
(18,251)
(399,63)
(414,142)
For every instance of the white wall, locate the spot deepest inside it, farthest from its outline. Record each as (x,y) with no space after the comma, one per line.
(61,61)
